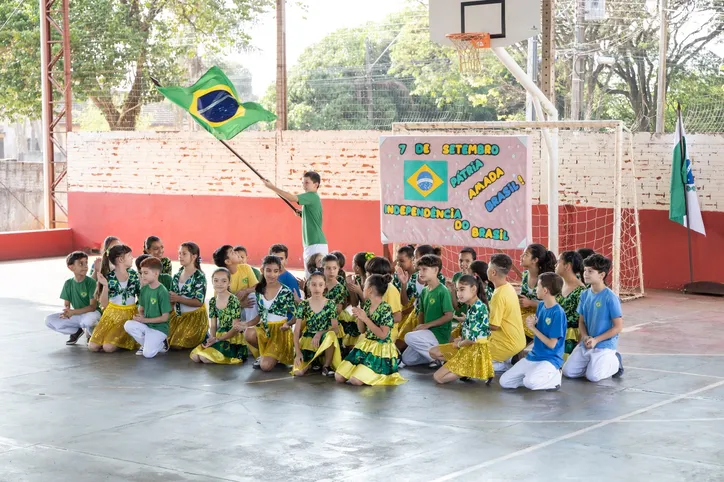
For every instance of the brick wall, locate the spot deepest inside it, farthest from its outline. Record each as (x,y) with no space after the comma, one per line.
(21,195)
(193,163)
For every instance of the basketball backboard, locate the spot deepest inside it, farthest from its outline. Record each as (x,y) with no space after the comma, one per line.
(507,21)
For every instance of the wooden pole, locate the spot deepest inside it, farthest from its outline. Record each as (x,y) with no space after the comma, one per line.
(281,66)
(548,50)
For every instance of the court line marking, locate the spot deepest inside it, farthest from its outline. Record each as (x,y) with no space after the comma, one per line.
(658,370)
(270,380)
(632,328)
(542,445)
(672,354)
(544,422)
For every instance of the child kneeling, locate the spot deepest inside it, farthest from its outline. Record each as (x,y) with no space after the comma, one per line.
(467,356)
(150,326)
(541,369)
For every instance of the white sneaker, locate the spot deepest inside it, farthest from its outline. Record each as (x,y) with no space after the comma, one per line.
(140,352)
(500,367)
(401,364)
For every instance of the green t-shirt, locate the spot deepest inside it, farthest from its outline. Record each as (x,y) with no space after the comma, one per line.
(311,219)
(155,302)
(457,276)
(257,273)
(434,303)
(166,280)
(79,294)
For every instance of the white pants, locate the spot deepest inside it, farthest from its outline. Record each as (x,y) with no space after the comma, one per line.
(596,365)
(250,313)
(151,340)
(69,326)
(310,251)
(418,347)
(534,375)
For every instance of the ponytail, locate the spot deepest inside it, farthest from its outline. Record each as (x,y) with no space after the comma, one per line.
(546,259)
(480,271)
(474,280)
(193,248)
(575,260)
(110,256)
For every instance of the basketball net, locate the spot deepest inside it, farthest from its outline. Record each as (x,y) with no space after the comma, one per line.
(469,46)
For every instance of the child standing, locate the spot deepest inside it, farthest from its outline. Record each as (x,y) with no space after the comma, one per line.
(570,268)
(189,318)
(80,313)
(150,326)
(153,246)
(600,322)
(244,258)
(373,360)
(468,356)
(435,317)
(269,331)
(318,316)
(117,295)
(224,344)
(541,369)
(536,260)
(506,338)
(243,279)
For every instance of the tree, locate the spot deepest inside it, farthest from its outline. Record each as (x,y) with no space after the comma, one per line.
(628,89)
(116,45)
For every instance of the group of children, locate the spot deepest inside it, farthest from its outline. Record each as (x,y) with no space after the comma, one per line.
(360,327)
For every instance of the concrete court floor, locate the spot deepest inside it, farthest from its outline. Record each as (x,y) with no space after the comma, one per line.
(71,415)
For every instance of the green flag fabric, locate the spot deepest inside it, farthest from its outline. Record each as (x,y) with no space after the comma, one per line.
(214,104)
(682,192)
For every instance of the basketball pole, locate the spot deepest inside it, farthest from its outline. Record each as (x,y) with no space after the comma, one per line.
(542,105)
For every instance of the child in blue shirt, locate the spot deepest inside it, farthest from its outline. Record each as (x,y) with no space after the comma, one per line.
(541,369)
(600,321)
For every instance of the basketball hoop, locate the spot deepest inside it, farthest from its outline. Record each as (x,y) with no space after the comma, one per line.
(468,46)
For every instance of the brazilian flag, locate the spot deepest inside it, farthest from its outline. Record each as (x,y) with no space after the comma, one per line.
(214,104)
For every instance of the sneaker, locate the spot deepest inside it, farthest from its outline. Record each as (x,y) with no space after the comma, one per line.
(257,364)
(620,366)
(166,346)
(73,339)
(316,368)
(327,372)
(140,352)
(435,364)
(465,379)
(401,365)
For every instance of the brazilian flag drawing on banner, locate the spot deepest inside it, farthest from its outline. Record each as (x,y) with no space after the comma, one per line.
(214,104)
(425,181)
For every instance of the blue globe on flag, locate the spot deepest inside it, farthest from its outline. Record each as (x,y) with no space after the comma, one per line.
(424,181)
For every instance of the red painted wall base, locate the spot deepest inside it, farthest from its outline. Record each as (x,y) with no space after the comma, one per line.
(35,244)
(353,226)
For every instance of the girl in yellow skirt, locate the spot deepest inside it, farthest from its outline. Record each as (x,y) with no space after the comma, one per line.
(411,293)
(373,360)
(318,337)
(270,331)
(570,268)
(468,356)
(153,246)
(348,331)
(189,319)
(536,260)
(117,295)
(479,269)
(224,344)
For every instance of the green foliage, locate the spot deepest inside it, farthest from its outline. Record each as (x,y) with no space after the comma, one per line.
(116,45)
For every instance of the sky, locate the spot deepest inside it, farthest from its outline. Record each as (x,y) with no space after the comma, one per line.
(305,28)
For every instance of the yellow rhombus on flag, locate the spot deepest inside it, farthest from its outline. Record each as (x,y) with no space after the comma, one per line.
(214,104)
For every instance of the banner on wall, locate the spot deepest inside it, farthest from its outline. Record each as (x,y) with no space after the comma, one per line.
(456,190)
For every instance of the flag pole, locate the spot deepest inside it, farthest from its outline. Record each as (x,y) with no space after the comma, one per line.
(296,211)
(685,175)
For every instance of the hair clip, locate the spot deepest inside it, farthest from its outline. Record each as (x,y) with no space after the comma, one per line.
(199,258)
(369,256)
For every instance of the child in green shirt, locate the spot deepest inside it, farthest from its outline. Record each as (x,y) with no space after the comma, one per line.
(80,313)
(150,326)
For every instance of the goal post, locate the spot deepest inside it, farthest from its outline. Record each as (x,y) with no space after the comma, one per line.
(595,193)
